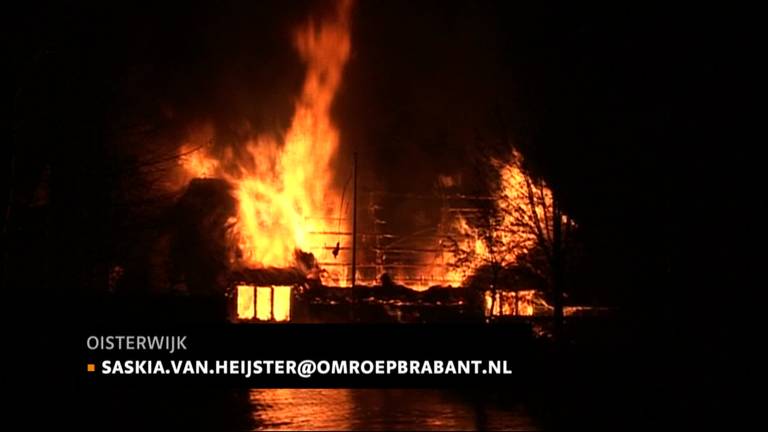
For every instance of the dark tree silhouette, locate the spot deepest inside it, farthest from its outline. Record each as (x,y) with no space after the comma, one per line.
(523,229)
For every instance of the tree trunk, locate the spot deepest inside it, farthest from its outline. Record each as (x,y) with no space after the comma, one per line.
(558,276)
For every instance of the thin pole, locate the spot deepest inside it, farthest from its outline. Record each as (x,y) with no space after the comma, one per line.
(354,219)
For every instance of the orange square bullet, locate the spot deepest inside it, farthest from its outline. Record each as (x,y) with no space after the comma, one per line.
(91,367)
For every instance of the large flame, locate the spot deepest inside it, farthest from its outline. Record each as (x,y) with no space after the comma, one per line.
(286,192)
(521,220)
(289,199)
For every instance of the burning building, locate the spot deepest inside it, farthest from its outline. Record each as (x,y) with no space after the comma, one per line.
(277,212)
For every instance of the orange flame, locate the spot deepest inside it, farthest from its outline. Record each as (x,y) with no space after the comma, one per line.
(285,190)
(521,205)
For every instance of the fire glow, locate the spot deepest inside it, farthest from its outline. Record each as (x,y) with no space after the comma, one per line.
(285,187)
(519,303)
(271,303)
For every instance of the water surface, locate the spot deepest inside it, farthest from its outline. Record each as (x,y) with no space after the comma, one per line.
(380,409)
